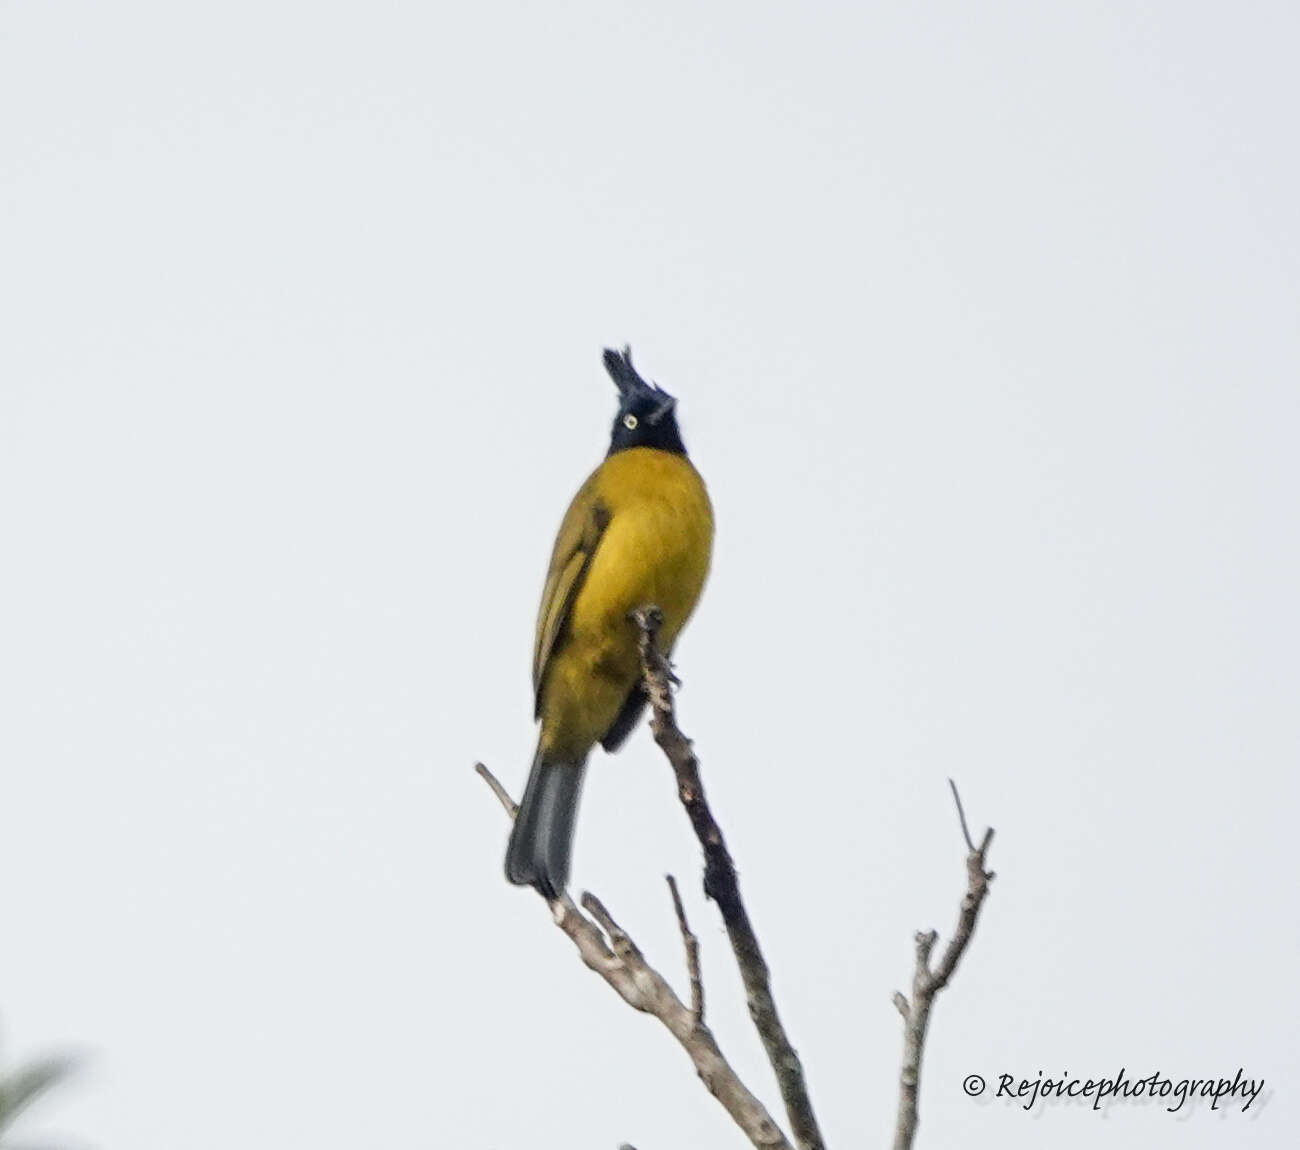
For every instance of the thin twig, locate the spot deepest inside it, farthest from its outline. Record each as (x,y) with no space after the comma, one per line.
(961,814)
(606,948)
(692,945)
(926,983)
(721,884)
(503,796)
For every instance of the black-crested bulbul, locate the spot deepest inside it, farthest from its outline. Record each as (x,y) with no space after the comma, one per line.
(638,532)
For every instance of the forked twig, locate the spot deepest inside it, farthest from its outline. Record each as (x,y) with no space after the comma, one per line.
(606,948)
(927,982)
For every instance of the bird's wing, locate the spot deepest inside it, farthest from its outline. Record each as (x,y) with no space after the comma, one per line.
(583,525)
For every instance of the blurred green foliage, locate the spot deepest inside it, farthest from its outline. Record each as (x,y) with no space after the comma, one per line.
(21,1087)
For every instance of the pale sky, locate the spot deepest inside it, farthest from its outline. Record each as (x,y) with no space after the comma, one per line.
(985,326)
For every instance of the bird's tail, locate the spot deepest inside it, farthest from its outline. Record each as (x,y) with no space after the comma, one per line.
(540,844)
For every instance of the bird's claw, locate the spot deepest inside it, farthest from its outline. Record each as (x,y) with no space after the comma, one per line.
(648,618)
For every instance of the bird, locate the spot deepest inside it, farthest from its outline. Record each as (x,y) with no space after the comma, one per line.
(639,532)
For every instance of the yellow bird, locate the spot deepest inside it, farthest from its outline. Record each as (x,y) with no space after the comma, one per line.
(639,531)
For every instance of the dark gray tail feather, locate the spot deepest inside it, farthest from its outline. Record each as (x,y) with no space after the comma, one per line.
(542,838)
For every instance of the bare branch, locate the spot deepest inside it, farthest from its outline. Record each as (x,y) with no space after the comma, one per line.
(926,983)
(607,949)
(692,945)
(503,796)
(721,884)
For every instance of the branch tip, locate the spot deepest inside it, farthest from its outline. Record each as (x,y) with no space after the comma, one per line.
(961,814)
(692,945)
(503,796)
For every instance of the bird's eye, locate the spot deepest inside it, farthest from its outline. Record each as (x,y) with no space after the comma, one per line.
(629,421)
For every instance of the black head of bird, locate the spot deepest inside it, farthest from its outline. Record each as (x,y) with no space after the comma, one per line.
(647,415)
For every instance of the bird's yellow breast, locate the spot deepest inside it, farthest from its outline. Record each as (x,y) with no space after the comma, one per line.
(655,548)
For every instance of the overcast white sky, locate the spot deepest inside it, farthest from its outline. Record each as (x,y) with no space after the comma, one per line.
(985,323)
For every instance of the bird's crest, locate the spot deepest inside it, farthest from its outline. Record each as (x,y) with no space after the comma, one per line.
(632,386)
